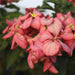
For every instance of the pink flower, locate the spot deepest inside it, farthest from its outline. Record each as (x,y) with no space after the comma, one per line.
(45,36)
(61,17)
(65,48)
(46,21)
(69,19)
(37,12)
(55,27)
(17,33)
(67,34)
(20,40)
(68,38)
(48,66)
(53,70)
(35,53)
(51,48)
(10,23)
(33,19)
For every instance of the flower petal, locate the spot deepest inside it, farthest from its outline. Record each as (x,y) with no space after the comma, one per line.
(24,17)
(45,21)
(47,65)
(53,69)
(51,48)
(45,36)
(36,23)
(65,47)
(53,58)
(56,27)
(10,34)
(30,63)
(67,36)
(26,23)
(61,16)
(5,30)
(37,12)
(13,43)
(20,40)
(69,42)
(10,22)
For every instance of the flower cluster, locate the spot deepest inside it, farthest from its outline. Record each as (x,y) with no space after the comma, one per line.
(47,37)
(72,1)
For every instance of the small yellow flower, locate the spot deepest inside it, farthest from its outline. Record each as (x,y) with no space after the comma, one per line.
(74,35)
(55,38)
(71,26)
(33,15)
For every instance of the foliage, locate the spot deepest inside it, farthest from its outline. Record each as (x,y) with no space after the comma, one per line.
(60,6)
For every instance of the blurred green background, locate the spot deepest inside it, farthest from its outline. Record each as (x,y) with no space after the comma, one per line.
(14,62)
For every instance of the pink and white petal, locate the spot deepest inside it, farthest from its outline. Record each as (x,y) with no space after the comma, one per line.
(20,40)
(13,44)
(51,48)
(45,36)
(47,65)
(42,29)
(36,23)
(45,21)
(72,46)
(30,63)
(5,30)
(10,34)
(69,42)
(65,47)
(56,27)
(53,58)
(53,70)
(67,36)
(26,23)
(37,12)
(68,30)
(39,44)
(10,23)
(24,17)
(61,16)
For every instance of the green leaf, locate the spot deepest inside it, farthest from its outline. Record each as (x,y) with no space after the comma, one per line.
(38,70)
(3,43)
(22,65)
(61,65)
(11,57)
(70,69)
(13,15)
(45,6)
(12,6)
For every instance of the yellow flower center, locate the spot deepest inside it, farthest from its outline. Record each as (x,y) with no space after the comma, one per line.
(55,38)
(33,15)
(66,17)
(74,35)
(17,27)
(71,26)
(45,27)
